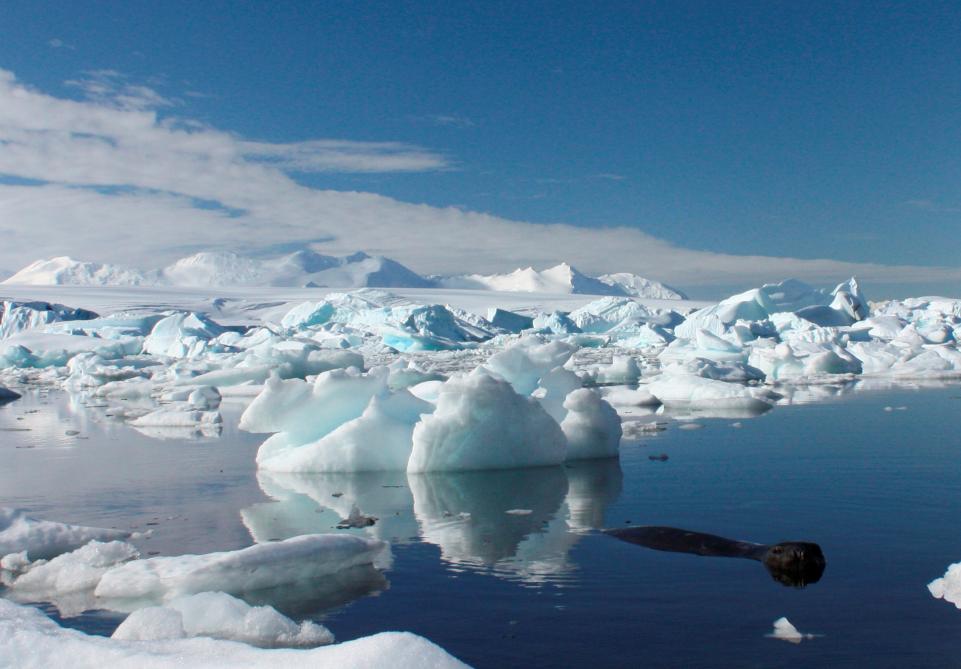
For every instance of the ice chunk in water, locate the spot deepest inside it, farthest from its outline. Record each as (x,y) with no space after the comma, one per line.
(592,426)
(44,539)
(220,616)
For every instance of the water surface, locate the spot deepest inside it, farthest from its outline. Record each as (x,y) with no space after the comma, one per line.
(879,490)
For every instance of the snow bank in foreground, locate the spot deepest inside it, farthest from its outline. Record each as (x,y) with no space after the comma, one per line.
(220,616)
(37,642)
(44,539)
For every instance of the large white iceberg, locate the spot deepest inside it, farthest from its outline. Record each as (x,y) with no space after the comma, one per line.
(481,423)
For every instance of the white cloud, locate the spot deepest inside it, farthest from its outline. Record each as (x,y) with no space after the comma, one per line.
(112,88)
(448,120)
(328,155)
(57,43)
(119,183)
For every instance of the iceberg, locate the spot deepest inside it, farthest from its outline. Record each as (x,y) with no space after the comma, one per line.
(481,423)
(948,587)
(592,426)
(45,539)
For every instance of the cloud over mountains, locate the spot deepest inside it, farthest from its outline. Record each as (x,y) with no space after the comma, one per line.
(113,178)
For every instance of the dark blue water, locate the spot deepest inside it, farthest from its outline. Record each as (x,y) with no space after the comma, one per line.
(880,491)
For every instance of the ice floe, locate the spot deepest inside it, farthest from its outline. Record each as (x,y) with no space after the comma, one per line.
(44,539)
(38,642)
(219,616)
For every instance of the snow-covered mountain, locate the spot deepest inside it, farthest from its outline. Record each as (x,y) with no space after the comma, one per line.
(303,268)
(562,278)
(65,271)
(307,268)
(638,286)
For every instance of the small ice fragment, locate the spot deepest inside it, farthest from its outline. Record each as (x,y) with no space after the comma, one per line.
(785,631)
(948,587)
(738,424)
(889,408)
(519,512)
(356,519)
(690,426)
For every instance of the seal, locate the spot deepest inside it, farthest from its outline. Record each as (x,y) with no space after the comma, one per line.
(794,563)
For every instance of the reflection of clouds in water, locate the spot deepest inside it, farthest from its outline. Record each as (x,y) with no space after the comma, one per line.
(464,513)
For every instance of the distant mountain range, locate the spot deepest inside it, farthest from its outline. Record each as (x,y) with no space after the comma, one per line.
(306,268)
(562,278)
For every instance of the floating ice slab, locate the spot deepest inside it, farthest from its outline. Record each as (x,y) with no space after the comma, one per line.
(44,539)
(690,390)
(219,616)
(250,569)
(176,418)
(38,643)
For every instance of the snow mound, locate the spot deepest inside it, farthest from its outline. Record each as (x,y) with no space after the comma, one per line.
(44,539)
(38,642)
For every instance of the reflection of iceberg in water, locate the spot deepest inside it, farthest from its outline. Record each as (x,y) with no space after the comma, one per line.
(463,513)
(309,599)
(315,503)
(693,412)
(180,433)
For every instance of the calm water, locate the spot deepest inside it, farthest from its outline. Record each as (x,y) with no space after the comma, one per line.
(880,491)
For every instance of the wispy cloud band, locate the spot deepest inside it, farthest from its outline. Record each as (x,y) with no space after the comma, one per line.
(116,181)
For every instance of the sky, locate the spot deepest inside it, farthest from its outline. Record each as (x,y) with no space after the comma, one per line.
(713,146)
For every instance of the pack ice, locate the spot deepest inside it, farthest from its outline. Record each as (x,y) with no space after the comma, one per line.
(371,380)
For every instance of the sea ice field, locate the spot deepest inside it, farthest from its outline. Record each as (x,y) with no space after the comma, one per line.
(420,476)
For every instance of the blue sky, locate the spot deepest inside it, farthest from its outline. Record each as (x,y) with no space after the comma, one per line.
(805,130)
